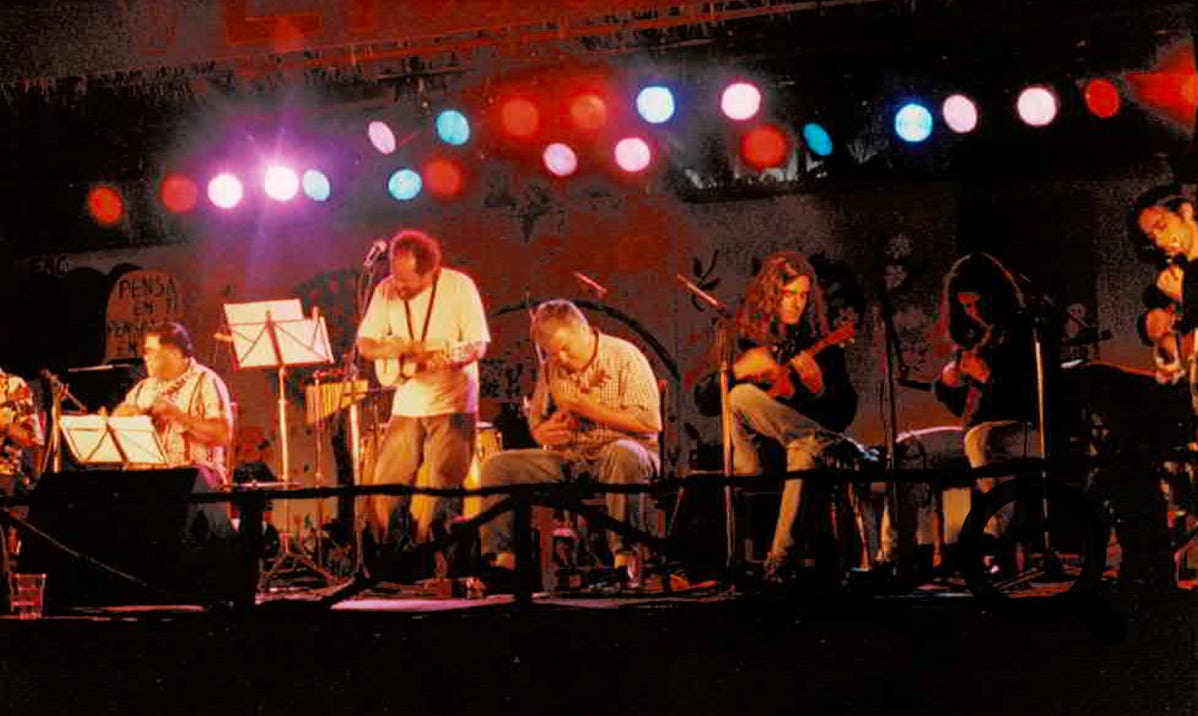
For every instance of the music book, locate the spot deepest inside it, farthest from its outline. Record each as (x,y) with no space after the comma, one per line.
(269,334)
(113,440)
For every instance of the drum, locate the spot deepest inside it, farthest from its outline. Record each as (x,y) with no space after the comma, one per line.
(489,442)
(378,508)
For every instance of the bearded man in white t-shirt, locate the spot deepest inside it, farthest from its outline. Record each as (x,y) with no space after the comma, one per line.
(426,329)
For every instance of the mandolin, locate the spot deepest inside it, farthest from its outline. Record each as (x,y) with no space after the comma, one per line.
(393,372)
(783,386)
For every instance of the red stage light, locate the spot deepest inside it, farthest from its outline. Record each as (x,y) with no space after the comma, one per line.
(519,117)
(764,146)
(442,177)
(105,205)
(588,112)
(179,194)
(1102,97)
(1171,88)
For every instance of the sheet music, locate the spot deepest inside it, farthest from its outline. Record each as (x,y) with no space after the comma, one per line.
(137,438)
(288,309)
(301,341)
(304,342)
(112,440)
(89,439)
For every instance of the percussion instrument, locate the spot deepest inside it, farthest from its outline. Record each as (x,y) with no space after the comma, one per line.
(378,508)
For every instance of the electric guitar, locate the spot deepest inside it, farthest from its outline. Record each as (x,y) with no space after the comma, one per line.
(783,386)
(394,372)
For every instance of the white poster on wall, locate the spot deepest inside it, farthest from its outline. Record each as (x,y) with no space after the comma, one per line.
(138,300)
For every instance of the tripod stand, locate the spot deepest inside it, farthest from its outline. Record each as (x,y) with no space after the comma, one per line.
(1030,307)
(275,334)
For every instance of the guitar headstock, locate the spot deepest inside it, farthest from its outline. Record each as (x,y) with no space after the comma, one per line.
(844,332)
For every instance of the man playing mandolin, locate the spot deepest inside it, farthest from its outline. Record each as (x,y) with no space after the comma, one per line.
(597,414)
(20,433)
(188,402)
(426,329)
(793,386)
(1163,225)
(991,381)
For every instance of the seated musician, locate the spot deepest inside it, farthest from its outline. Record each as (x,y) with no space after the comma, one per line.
(20,433)
(1162,225)
(188,402)
(596,412)
(792,384)
(991,381)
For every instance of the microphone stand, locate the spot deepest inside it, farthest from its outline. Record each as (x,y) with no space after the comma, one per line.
(1051,566)
(354,418)
(58,392)
(892,361)
(725,346)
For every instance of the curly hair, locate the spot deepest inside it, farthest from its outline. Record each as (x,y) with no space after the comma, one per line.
(423,247)
(999,297)
(758,315)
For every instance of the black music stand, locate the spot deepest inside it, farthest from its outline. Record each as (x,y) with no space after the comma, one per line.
(276,334)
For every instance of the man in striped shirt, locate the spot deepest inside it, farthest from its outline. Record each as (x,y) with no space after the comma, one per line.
(595,412)
(188,402)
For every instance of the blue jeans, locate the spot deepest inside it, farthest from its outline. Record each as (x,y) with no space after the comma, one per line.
(755,413)
(992,442)
(623,462)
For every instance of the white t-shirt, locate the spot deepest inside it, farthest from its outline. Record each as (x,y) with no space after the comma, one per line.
(457,317)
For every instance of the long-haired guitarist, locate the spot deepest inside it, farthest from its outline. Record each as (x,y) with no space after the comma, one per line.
(991,381)
(188,402)
(426,329)
(792,383)
(1163,227)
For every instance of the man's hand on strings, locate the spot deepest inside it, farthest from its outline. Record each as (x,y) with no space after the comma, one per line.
(974,367)
(809,372)
(756,364)
(558,429)
(168,411)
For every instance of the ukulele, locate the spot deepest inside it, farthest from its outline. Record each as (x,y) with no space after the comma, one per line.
(783,386)
(394,372)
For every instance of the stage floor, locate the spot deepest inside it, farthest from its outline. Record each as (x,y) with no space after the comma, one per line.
(926,653)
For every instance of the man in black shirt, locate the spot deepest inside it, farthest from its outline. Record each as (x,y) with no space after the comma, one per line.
(792,384)
(991,381)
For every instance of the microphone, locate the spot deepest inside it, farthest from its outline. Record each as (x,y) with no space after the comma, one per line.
(378,249)
(599,289)
(91,368)
(702,295)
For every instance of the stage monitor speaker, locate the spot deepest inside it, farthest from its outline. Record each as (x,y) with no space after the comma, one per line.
(139,522)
